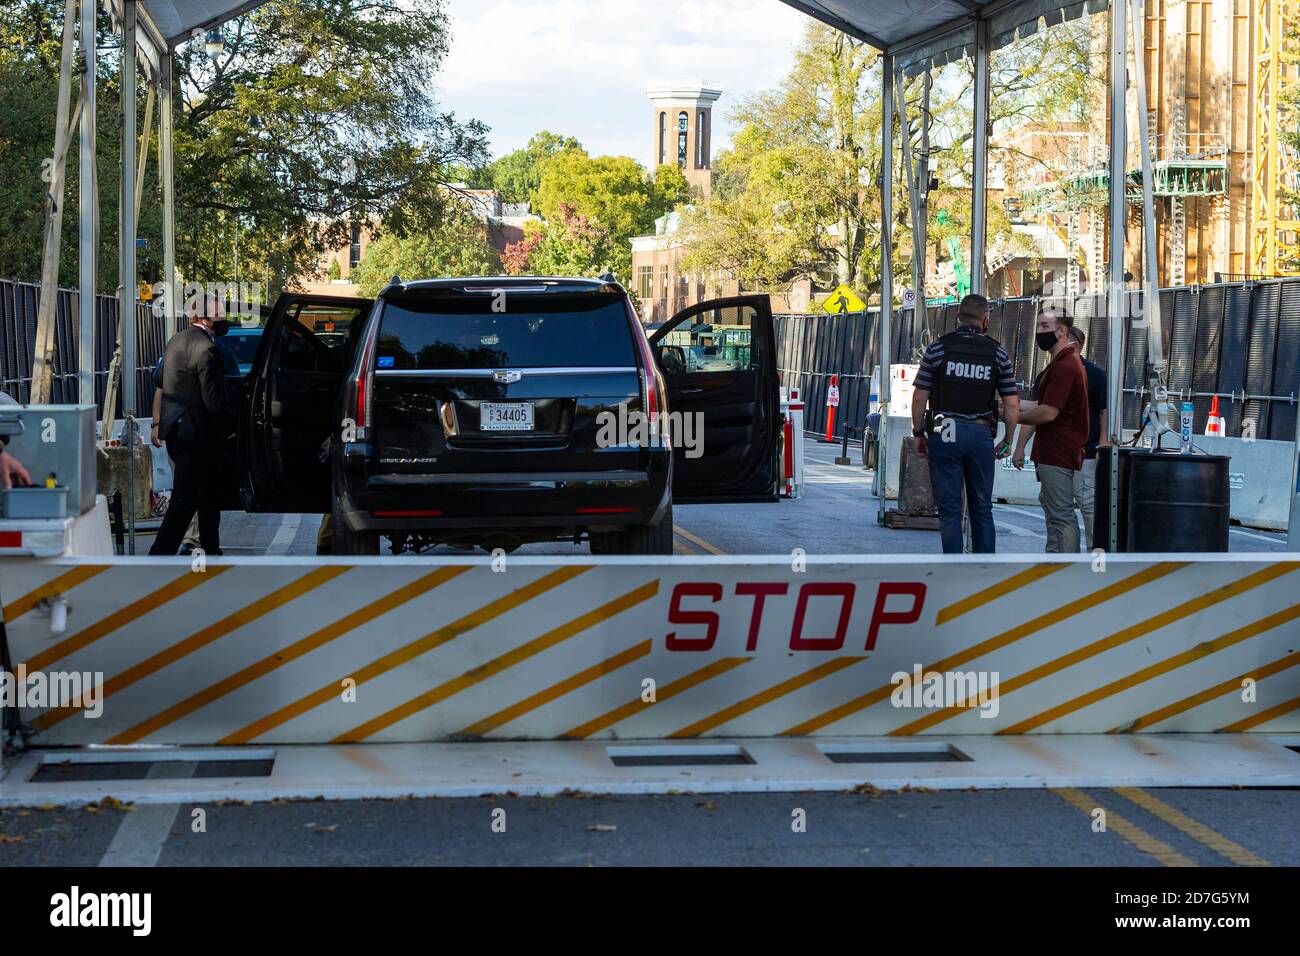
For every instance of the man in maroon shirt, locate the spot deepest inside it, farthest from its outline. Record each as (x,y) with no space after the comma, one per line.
(1060,428)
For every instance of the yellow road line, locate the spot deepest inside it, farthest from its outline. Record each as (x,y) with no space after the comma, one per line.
(347,623)
(636,705)
(1002,588)
(555,691)
(682,549)
(52,588)
(1263,717)
(772,693)
(174,652)
(482,672)
(188,581)
(407,652)
(1131,834)
(1198,831)
(697,540)
(1054,616)
(1218,690)
(1152,671)
(1110,642)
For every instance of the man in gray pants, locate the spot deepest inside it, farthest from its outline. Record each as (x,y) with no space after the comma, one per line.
(1059,417)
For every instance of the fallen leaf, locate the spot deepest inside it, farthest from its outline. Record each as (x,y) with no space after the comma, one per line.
(10,839)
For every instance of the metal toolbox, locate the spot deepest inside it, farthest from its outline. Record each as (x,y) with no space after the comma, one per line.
(34,502)
(58,440)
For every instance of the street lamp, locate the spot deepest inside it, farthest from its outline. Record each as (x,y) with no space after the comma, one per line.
(214,44)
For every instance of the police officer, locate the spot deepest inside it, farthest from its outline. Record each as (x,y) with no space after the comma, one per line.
(961,376)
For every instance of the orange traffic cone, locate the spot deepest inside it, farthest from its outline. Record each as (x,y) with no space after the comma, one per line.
(1214,424)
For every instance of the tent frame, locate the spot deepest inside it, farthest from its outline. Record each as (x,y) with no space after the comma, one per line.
(143,40)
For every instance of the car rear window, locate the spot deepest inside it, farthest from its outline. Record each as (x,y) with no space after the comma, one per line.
(488,330)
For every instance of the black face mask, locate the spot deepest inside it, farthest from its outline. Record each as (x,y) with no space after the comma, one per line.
(1046,340)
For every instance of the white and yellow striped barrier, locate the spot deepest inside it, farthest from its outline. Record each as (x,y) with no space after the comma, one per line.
(288,650)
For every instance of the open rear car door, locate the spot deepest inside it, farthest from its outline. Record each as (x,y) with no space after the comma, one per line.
(290,401)
(718,360)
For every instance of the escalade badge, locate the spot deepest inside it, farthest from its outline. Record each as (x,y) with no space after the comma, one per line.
(506,377)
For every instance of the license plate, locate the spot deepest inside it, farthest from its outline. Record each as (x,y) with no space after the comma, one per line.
(502,417)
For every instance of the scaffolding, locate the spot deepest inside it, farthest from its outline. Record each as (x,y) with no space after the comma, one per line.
(1274,245)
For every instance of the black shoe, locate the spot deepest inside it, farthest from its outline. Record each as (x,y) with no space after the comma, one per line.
(186,550)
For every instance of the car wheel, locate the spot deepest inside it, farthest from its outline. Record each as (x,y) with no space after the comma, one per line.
(347,541)
(643,539)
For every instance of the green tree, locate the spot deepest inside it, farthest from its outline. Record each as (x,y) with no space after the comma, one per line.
(457,247)
(613,192)
(566,244)
(318,114)
(797,195)
(518,174)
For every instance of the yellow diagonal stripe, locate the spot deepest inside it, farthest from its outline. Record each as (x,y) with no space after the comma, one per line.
(52,588)
(1133,835)
(788,686)
(682,684)
(188,581)
(482,672)
(1263,717)
(346,624)
(1198,831)
(1231,685)
(1054,616)
(1155,670)
(697,540)
(1002,588)
(174,652)
(557,690)
(407,652)
(1123,636)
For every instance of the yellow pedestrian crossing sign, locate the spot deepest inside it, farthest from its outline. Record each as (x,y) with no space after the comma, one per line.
(843,299)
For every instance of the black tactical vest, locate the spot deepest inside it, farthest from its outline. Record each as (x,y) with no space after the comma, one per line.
(967,377)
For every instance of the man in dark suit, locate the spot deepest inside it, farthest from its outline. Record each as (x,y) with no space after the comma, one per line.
(196,423)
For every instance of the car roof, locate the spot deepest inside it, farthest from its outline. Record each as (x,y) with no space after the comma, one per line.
(530,283)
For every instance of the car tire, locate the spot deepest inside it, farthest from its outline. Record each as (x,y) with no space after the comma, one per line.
(643,539)
(347,541)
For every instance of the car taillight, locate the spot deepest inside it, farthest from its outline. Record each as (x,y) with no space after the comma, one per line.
(362,386)
(651,403)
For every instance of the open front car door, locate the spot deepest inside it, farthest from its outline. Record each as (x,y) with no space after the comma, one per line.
(291,401)
(718,360)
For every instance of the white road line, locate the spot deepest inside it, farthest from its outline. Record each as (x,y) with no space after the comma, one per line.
(145,827)
(1259,537)
(1036,515)
(1017,530)
(285,534)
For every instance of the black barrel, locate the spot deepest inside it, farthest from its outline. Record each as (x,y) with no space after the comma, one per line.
(1168,502)
(1177,502)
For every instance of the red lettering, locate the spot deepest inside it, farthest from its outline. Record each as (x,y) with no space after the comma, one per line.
(879,615)
(760,593)
(709,618)
(822,589)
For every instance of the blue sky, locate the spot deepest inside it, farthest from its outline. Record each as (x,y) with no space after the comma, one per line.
(579,67)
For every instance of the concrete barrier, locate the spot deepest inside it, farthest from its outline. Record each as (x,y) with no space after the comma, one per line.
(271,650)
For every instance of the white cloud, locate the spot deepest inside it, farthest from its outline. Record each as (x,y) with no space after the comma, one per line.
(579,67)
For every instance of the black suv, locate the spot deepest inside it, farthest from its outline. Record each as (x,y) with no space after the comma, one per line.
(486,411)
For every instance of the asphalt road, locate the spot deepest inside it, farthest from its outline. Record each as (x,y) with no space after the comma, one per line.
(1144,828)
(836,515)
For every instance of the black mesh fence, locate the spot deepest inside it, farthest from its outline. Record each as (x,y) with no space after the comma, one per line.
(18,305)
(1239,340)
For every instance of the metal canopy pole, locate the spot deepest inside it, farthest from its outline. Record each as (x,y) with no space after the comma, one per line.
(914,171)
(169,194)
(1118,212)
(126,258)
(886,269)
(88,234)
(980,163)
(1150,276)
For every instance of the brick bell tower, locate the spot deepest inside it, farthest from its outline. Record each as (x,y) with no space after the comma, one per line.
(683,128)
